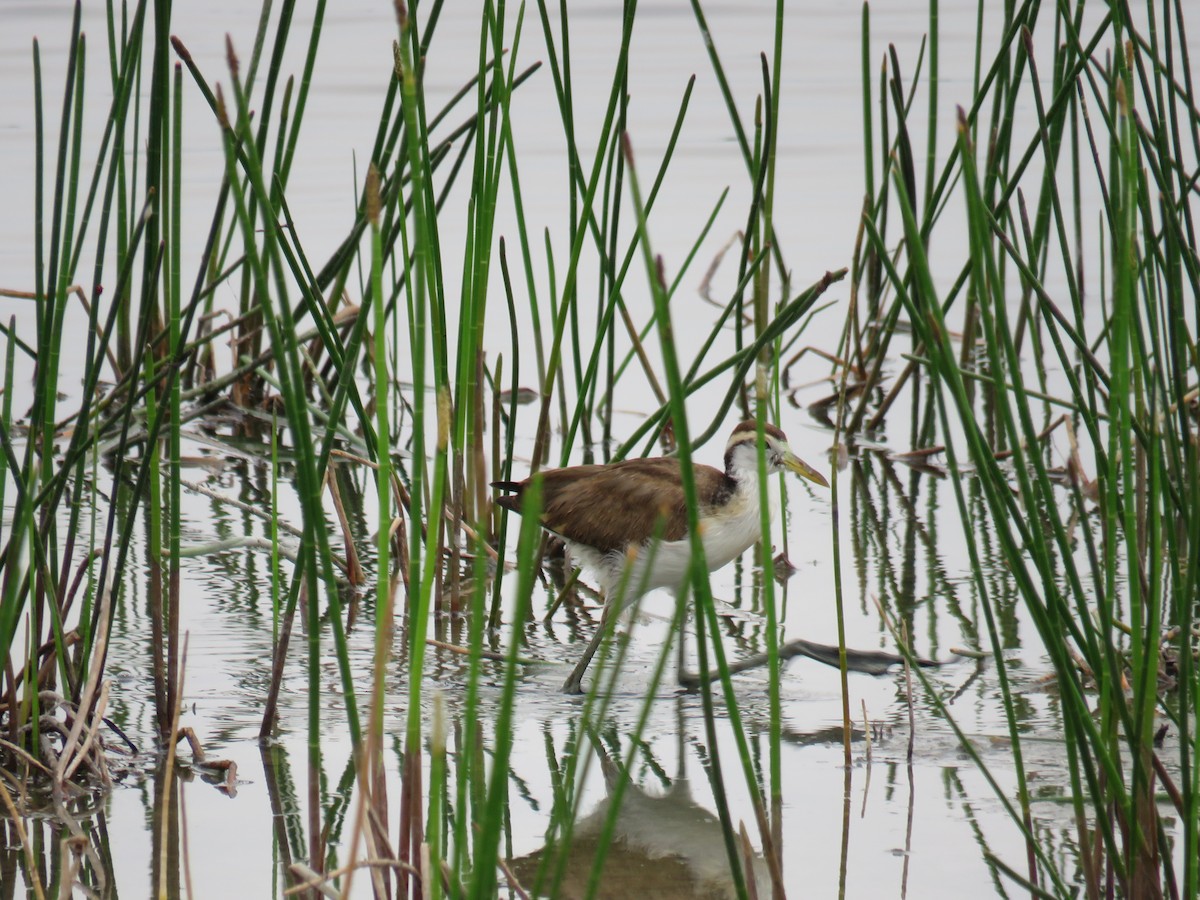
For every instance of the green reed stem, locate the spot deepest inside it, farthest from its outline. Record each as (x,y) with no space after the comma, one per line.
(383,477)
(487,840)
(702,591)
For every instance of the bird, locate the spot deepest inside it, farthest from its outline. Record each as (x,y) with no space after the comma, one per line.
(627,521)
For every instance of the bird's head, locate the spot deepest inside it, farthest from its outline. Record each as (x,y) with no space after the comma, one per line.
(741,453)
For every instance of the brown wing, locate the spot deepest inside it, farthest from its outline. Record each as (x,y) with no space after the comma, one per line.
(609,507)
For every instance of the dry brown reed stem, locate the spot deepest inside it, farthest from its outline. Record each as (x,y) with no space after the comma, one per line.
(311,881)
(705,288)
(252,543)
(403,502)
(399,534)
(354,572)
(853,340)
(908,693)
(493,522)
(70,860)
(1190,397)
(184,853)
(647,367)
(46,653)
(379,832)
(369,767)
(199,757)
(838,362)
(342,320)
(901,638)
(75,289)
(514,883)
(373,801)
(229,378)
(897,386)
(1042,435)
(967,653)
(918,453)
(454,517)
(770,850)
(278,660)
(482,481)
(1075,470)
(488,549)
(469,496)
(873,374)
(748,861)
(426,864)
(31,863)
(169,777)
(493,655)
(850,336)
(80,845)
(312,376)
(125,379)
(10,691)
(101,766)
(138,438)
(316,881)
(399,491)
(411,836)
(1168,784)
(866,729)
(247,508)
(99,651)
(72,637)
(26,757)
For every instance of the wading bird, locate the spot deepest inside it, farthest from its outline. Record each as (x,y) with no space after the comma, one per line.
(633,515)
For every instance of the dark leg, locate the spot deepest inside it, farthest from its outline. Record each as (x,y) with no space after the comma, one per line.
(574,682)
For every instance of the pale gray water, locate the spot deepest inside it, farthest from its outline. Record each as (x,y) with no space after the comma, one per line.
(892,831)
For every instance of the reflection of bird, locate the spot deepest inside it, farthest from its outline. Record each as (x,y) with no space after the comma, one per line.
(663,845)
(610,516)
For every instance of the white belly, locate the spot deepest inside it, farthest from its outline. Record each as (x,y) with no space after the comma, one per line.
(728,536)
(725,538)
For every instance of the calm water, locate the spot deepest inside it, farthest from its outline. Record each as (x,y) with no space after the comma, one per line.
(881,829)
